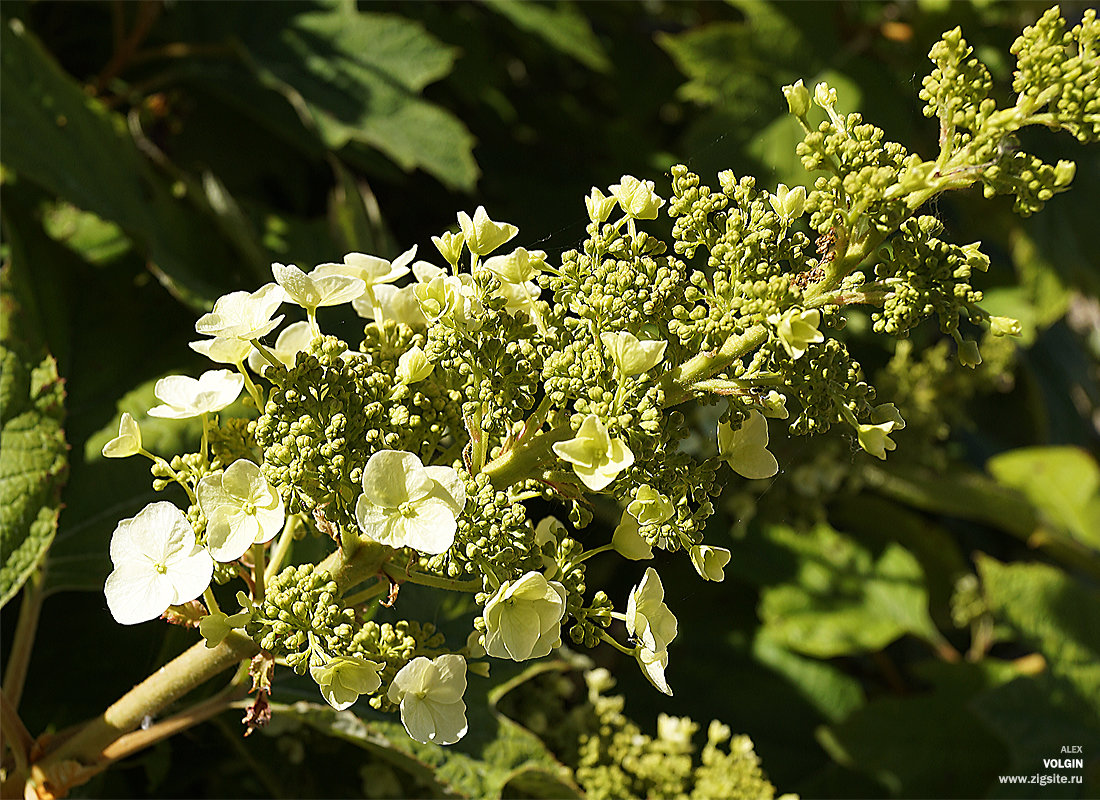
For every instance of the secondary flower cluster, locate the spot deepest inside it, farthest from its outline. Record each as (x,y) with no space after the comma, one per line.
(497,376)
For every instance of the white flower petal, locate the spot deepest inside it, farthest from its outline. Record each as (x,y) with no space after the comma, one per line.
(136,593)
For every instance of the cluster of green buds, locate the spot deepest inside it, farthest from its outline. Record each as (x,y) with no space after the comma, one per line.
(504,376)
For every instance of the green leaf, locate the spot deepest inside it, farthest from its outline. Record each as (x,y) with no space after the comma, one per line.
(945,750)
(496,758)
(69,144)
(1038,714)
(514,756)
(1063,482)
(955,492)
(359,76)
(827,689)
(33,451)
(561,26)
(845,598)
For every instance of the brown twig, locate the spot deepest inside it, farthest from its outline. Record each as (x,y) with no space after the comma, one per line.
(148,11)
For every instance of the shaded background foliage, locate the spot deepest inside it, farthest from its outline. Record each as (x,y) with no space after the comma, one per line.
(910,629)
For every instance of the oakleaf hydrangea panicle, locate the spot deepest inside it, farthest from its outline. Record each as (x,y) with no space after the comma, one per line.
(405,504)
(241,509)
(430,696)
(523,618)
(157,564)
(182,396)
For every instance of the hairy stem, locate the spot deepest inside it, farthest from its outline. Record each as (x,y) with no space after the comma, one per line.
(706,365)
(190,669)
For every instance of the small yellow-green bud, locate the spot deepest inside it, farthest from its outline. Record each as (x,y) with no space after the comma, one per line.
(798,98)
(1004,326)
(969,355)
(1064,172)
(824,96)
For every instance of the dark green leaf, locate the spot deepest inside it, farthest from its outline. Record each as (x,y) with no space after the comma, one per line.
(1063,482)
(359,76)
(845,599)
(831,692)
(945,750)
(561,26)
(1037,715)
(33,451)
(68,143)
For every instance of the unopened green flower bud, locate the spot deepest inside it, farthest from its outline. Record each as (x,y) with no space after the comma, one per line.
(798,98)
(975,258)
(1004,326)
(824,96)
(969,355)
(1064,172)
(788,203)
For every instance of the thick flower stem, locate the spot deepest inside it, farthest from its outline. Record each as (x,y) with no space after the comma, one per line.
(520,462)
(435,581)
(707,365)
(78,757)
